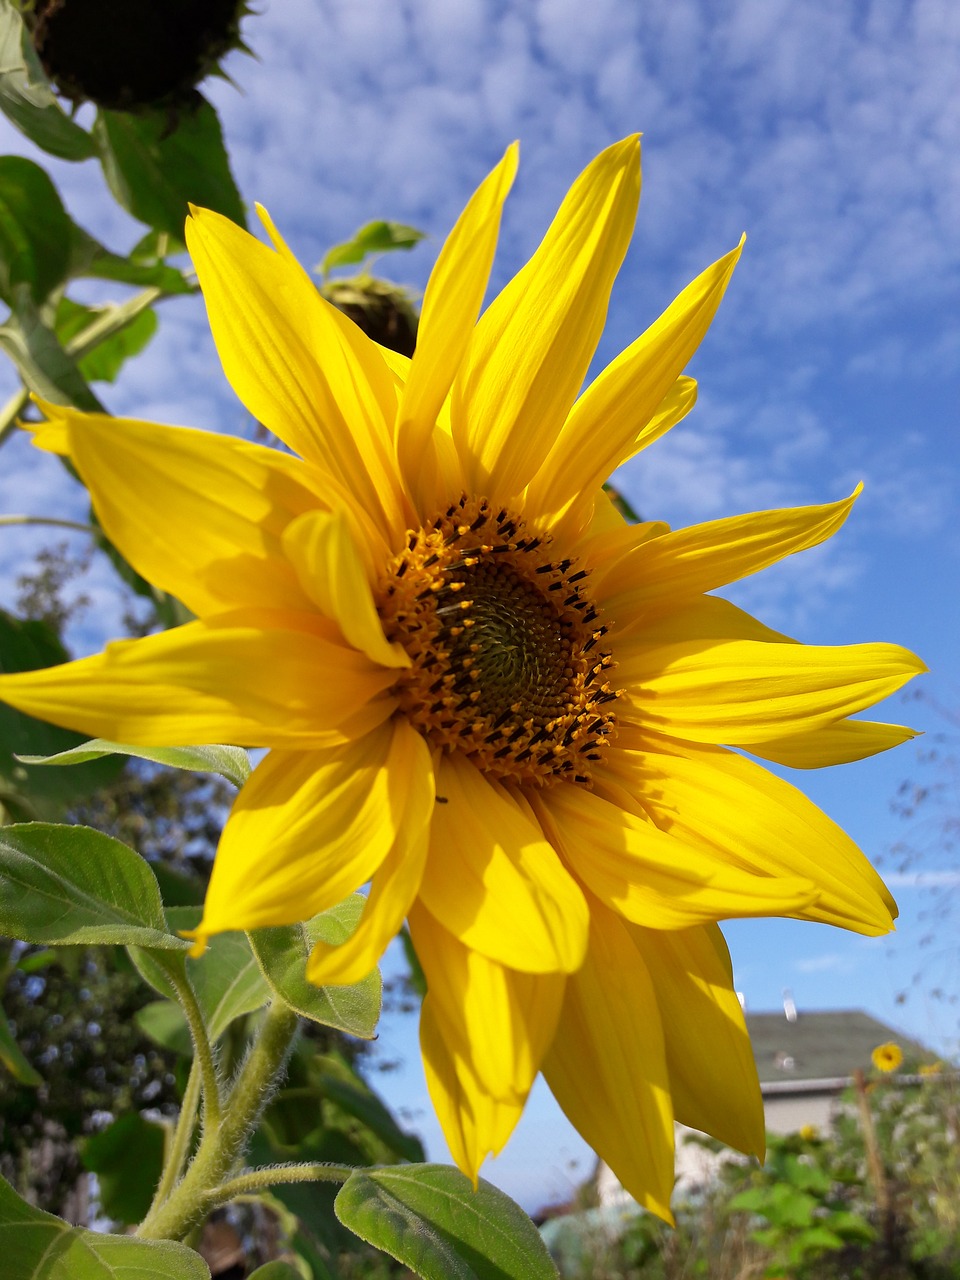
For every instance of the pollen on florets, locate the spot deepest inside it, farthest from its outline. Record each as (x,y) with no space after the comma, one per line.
(507,665)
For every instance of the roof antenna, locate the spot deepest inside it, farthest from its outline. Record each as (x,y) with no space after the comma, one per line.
(789,1007)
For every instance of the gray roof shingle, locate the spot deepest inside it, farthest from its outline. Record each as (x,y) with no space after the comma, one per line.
(822,1045)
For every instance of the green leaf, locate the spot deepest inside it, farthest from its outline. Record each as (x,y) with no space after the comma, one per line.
(154,172)
(103,362)
(753,1200)
(231,763)
(88,258)
(27,792)
(13,1057)
(344,1087)
(164,1022)
(41,361)
(34,230)
(375,237)
(127,1158)
(226,978)
(276,1271)
(72,884)
(430,1218)
(282,955)
(37,1246)
(26,98)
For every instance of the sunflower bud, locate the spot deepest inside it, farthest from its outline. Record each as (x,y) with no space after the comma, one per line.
(384,311)
(128,55)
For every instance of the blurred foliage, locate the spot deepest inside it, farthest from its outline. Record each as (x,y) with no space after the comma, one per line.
(72,1013)
(819,1208)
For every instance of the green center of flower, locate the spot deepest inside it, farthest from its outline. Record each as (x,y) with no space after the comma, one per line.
(504,646)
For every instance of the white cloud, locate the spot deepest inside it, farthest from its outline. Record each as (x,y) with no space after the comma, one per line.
(827,962)
(829,132)
(923,879)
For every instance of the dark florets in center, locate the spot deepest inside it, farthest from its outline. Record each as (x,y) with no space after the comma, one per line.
(504,641)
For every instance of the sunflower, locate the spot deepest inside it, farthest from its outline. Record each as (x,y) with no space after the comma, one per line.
(484,693)
(887,1057)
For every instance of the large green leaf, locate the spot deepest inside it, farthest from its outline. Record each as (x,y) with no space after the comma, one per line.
(127,1158)
(13,1058)
(43,365)
(226,978)
(430,1218)
(154,172)
(27,792)
(37,1246)
(26,98)
(72,884)
(282,954)
(231,763)
(34,230)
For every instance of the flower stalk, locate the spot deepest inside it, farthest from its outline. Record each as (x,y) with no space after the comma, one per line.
(180,1207)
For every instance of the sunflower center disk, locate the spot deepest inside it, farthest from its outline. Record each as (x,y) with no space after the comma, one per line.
(504,644)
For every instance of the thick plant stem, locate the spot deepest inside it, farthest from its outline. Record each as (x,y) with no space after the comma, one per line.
(197,1192)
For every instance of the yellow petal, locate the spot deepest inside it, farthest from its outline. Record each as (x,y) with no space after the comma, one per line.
(300,367)
(199,515)
(532,347)
(330,569)
(607,1067)
(307,829)
(714,798)
(51,436)
(707,556)
(605,426)
(495,882)
(396,881)
(699,619)
(713,1075)
(746,691)
(255,678)
(474,1124)
(839,743)
(502,1020)
(649,876)
(567,518)
(451,304)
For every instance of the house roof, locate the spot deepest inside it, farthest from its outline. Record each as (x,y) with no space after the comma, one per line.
(820,1046)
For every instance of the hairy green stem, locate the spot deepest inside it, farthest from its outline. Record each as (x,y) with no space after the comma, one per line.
(193,1197)
(110,321)
(11,411)
(202,1048)
(182,1136)
(48,520)
(254,1180)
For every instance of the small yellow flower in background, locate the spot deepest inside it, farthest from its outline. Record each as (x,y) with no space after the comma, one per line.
(930,1068)
(483,691)
(887,1057)
(809,1132)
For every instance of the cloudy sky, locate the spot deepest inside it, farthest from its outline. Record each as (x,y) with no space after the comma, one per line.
(829,132)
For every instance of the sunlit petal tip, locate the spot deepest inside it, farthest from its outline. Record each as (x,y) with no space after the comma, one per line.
(199,939)
(275,237)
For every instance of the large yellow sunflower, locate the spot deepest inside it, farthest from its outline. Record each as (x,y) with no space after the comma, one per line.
(483,691)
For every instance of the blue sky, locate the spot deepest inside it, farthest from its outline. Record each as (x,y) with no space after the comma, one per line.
(829,132)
